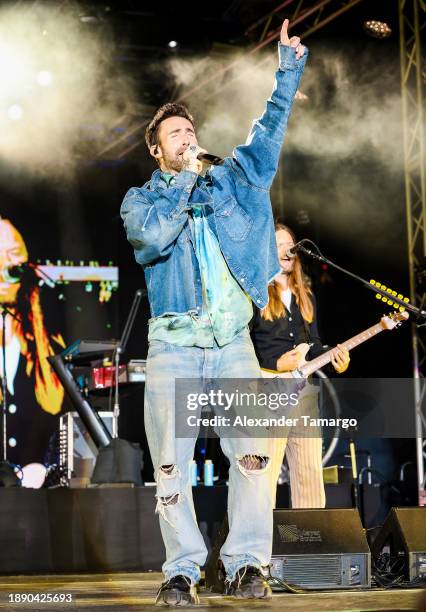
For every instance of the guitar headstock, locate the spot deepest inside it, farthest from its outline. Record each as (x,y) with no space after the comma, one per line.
(393,319)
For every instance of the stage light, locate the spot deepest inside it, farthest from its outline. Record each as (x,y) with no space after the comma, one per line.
(12,442)
(12,408)
(15,67)
(377,29)
(15,112)
(44,78)
(91,18)
(33,475)
(41,100)
(173,44)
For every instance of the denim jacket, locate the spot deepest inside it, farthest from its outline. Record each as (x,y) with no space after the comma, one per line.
(237,204)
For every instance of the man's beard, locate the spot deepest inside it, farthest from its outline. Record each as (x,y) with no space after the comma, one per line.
(173,163)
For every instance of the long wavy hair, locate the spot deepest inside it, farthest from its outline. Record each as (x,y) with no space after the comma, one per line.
(297,284)
(36,344)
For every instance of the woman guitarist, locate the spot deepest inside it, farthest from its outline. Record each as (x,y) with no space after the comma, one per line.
(288,320)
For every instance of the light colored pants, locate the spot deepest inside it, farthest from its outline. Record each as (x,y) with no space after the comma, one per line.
(304,458)
(249,494)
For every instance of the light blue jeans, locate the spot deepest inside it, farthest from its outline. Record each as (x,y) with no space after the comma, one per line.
(250,501)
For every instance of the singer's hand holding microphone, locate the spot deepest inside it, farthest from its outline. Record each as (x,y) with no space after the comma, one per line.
(194,157)
(190,159)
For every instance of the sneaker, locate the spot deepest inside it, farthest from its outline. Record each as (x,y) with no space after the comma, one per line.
(178,591)
(249,583)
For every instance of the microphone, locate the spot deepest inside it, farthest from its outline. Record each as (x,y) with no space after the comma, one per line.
(13,274)
(208,158)
(290,253)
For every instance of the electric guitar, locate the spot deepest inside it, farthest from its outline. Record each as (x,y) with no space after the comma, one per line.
(305,368)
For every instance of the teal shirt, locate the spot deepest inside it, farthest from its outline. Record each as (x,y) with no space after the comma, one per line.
(226,307)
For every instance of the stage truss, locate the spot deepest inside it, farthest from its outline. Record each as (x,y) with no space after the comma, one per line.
(308,16)
(412,23)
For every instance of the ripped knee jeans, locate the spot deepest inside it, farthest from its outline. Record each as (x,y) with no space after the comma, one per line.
(249,498)
(168,490)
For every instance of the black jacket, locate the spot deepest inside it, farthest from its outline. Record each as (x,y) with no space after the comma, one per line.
(273,338)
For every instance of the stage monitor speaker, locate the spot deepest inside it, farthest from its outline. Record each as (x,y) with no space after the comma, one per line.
(312,549)
(320,549)
(403,537)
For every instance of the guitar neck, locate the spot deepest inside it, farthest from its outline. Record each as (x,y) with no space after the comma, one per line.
(319,362)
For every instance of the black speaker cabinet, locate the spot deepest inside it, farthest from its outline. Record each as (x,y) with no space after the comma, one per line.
(403,536)
(313,549)
(320,549)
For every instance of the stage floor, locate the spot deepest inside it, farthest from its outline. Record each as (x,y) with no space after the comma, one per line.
(135,591)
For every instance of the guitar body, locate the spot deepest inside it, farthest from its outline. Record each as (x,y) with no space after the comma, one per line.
(302,349)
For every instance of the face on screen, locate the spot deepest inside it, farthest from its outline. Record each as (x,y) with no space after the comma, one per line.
(13,252)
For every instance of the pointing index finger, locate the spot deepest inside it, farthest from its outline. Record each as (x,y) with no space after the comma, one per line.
(284,31)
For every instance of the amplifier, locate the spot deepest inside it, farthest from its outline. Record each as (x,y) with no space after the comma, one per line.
(320,549)
(403,538)
(77,451)
(136,369)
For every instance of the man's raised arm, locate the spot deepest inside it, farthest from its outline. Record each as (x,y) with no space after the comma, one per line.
(258,159)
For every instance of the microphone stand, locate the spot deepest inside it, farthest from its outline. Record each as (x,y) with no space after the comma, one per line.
(119,350)
(410,307)
(7,473)
(355,483)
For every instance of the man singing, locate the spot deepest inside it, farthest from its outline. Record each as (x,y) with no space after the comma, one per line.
(194,236)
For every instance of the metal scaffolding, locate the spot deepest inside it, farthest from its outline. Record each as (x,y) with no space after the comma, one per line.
(314,16)
(411,24)
(307,15)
